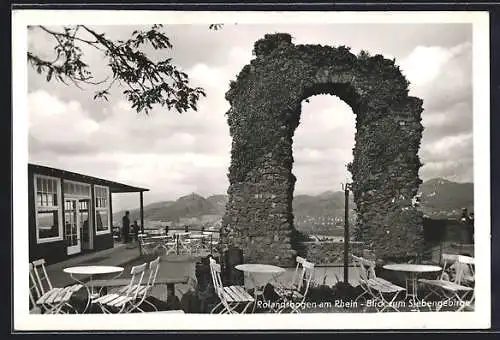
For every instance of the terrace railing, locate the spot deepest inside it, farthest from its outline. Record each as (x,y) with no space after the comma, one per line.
(187,241)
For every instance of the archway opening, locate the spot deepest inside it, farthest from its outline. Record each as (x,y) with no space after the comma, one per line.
(322,147)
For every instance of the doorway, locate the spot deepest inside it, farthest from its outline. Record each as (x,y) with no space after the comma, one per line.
(84,223)
(72,233)
(77,217)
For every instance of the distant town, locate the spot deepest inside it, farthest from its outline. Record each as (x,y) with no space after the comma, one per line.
(321,216)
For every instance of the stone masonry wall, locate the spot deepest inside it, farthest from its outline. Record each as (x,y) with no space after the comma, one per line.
(265,111)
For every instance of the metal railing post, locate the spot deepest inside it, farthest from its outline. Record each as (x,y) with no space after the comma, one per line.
(177,243)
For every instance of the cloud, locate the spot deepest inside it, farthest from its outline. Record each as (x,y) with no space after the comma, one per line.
(175,154)
(441,76)
(322,144)
(51,120)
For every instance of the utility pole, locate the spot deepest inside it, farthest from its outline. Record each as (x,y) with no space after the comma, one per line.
(346,187)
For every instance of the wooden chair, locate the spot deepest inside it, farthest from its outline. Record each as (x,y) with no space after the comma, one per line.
(124,300)
(294,294)
(383,292)
(51,300)
(454,283)
(231,297)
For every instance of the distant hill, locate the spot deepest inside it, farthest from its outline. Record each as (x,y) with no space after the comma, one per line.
(189,206)
(443,198)
(439,198)
(325,204)
(219,202)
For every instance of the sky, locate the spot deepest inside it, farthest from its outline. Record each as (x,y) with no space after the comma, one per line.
(176,154)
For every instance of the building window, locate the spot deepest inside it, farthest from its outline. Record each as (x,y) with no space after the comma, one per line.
(76,189)
(48,209)
(102,215)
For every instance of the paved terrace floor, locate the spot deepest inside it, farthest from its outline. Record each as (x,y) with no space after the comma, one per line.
(179,266)
(119,255)
(172,266)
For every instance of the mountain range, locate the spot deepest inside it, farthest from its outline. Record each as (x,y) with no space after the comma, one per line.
(439,198)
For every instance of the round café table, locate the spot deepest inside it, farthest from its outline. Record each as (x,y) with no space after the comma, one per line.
(270,273)
(412,271)
(197,236)
(90,271)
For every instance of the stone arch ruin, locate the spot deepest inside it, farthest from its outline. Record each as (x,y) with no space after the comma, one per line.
(265,111)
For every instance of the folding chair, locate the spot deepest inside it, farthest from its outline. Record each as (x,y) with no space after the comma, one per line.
(294,283)
(383,292)
(147,247)
(298,273)
(34,309)
(294,294)
(145,290)
(50,300)
(450,286)
(468,279)
(33,290)
(123,300)
(184,243)
(170,245)
(230,297)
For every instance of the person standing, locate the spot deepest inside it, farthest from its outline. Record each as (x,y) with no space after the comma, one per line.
(468,220)
(126,227)
(135,230)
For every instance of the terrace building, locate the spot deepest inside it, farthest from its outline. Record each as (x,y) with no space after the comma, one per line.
(71,213)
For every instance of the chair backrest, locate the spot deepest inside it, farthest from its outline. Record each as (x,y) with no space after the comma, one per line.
(365,268)
(154,267)
(134,285)
(460,264)
(217,282)
(216,277)
(307,276)
(298,267)
(464,268)
(42,279)
(33,287)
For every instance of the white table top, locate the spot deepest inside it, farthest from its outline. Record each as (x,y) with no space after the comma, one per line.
(410,267)
(160,236)
(466,259)
(92,270)
(259,268)
(197,236)
(183,233)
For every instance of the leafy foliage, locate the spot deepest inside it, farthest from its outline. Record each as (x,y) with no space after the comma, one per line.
(215,27)
(146,82)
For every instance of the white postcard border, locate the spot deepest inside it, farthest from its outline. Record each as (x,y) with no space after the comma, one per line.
(480,318)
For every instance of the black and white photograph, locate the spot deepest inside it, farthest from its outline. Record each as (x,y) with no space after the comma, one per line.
(251,170)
